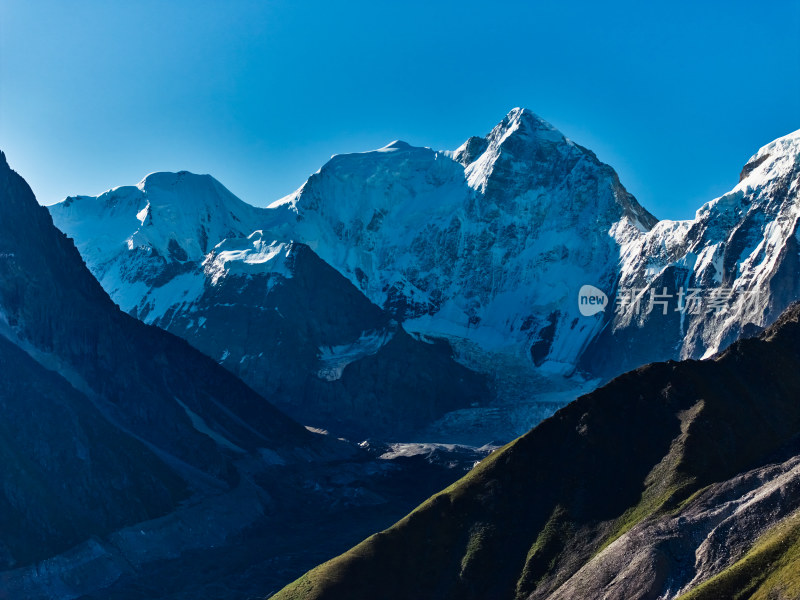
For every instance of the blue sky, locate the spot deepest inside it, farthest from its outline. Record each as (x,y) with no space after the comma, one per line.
(674,95)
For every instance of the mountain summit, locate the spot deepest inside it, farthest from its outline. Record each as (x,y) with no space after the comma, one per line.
(524,151)
(485,248)
(485,244)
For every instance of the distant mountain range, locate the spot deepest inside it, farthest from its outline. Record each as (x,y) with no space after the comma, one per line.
(479,253)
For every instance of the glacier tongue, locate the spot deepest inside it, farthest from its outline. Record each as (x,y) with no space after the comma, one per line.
(333,359)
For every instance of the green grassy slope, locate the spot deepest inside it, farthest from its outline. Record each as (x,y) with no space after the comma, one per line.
(769,571)
(534,512)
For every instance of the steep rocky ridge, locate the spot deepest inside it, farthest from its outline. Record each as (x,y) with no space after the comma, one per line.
(706,446)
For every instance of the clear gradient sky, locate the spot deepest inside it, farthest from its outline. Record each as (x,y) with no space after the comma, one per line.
(674,95)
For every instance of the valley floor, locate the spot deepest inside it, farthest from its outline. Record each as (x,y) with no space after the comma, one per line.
(344,503)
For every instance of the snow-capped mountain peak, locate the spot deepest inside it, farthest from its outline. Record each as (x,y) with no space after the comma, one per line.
(772,161)
(396,145)
(461,243)
(524,153)
(487,243)
(196,211)
(525,122)
(519,136)
(178,216)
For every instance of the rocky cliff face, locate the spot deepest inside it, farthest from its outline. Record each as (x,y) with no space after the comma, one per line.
(674,479)
(697,550)
(687,289)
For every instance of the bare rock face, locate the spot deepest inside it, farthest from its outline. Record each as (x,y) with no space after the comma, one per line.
(667,556)
(738,257)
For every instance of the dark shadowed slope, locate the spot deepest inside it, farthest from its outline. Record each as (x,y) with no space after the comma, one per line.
(67,473)
(301,334)
(564,511)
(105,420)
(51,302)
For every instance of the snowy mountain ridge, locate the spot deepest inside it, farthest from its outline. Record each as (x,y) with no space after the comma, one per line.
(181,252)
(145,242)
(465,253)
(485,246)
(465,244)
(739,257)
